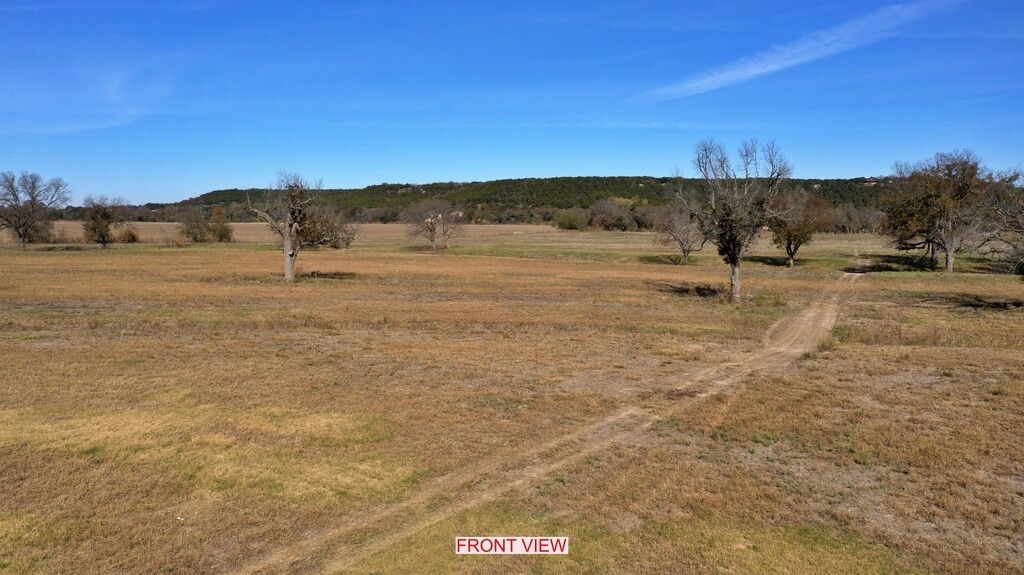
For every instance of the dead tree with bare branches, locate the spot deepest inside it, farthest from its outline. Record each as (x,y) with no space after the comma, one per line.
(739,197)
(679,222)
(291,211)
(433,220)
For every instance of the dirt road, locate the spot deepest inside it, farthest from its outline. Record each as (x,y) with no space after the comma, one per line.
(446,496)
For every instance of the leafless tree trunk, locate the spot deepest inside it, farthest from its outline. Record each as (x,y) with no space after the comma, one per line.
(290,255)
(734,281)
(739,198)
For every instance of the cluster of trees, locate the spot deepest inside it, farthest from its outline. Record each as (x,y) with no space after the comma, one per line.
(948,205)
(952,204)
(197,227)
(572,202)
(740,198)
(638,214)
(295,211)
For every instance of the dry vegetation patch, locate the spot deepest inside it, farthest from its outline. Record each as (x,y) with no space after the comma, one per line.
(183,411)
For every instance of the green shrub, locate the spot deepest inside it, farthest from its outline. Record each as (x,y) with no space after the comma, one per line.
(572,219)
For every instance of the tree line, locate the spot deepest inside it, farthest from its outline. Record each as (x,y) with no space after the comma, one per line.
(944,206)
(568,202)
(948,205)
(952,204)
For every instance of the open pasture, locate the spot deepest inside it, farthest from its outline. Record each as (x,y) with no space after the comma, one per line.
(252,232)
(181,410)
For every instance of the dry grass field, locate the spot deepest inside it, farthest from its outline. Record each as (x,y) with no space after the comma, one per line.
(165,232)
(181,410)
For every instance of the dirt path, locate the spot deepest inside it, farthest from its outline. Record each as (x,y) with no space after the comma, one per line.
(368,533)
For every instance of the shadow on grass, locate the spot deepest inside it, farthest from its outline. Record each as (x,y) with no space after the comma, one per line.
(663,259)
(890,263)
(65,248)
(327,275)
(425,249)
(972,301)
(691,290)
(780,261)
(976,265)
(917,263)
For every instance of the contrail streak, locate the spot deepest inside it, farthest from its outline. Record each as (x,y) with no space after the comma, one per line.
(823,43)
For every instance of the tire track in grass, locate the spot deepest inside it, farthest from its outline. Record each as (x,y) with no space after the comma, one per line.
(368,533)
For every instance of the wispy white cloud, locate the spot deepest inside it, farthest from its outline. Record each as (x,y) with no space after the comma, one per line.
(857,32)
(85,97)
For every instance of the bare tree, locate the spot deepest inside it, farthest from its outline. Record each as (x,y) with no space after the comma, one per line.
(291,212)
(797,217)
(102,214)
(679,222)
(739,197)
(681,228)
(433,220)
(942,205)
(27,203)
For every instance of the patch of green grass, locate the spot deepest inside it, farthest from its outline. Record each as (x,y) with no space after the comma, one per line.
(20,337)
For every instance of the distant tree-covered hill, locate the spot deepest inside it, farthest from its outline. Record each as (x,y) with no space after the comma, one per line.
(518,199)
(526,200)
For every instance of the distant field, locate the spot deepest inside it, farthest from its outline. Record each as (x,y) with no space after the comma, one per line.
(156,232)
(181,410)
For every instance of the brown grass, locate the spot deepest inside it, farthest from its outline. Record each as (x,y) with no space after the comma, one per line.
(183,411)
(160,232)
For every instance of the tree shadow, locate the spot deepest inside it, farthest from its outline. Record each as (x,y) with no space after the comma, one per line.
(890,263)
(686,289)
(982,265)
(780,261)
(327,275)
(971,301)
(63,248)
(425,249)
(662,259)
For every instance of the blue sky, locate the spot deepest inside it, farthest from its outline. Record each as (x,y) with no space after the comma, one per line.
(163,100)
